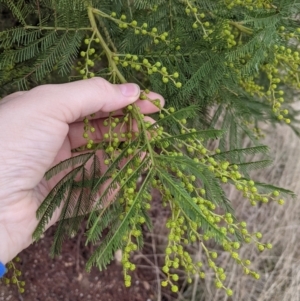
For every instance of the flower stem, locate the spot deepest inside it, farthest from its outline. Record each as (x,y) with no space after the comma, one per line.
(108,52)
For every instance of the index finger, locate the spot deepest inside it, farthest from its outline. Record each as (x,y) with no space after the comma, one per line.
(146,106)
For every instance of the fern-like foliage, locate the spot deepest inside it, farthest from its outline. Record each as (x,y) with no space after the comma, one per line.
(222,66)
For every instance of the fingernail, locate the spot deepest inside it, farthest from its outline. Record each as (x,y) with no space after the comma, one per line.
(130,90)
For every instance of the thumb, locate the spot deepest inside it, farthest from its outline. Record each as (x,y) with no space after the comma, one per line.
(71,101)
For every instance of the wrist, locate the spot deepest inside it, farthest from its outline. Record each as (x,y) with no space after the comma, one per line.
(7,249)
(2,269)
(10,243)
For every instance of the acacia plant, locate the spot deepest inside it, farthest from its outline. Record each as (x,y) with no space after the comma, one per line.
(222,66)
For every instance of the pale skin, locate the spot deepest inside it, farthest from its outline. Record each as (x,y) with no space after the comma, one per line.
(38,129)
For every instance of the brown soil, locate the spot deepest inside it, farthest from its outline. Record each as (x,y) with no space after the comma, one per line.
(64,277)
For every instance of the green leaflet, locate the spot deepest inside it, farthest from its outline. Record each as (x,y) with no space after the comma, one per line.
(188,112)
(205,134)
(121,171)
(103,199)
(214,191)
(186,204)
(57,42)
(248,166)
(270,188)
(19,36)
(261,149)
(113,240)
(51,203)
(30,50)
(19,8)
(65,64)
(60,231)
(68,163)
(52,194)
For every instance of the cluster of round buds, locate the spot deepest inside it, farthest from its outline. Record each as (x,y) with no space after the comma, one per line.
(155,7)
(13,274)
(249,4)
(222,170)
(127,265)
(250,192)
(113,138)
(175,255)
(89,56)
(116,134)
(290,60)
(200,19)
(120,133)
(232,248)
(137,221)
(220,275)
(257,132)
(230,34)
(136,63)
(250,86)
(183,231)
(287,34)
(120,137)
(140,29)
(87,130)
(241,227)
(274,94)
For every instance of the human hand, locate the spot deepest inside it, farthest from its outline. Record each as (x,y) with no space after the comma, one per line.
(38,129)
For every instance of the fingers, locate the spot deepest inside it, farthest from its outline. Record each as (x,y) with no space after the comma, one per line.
(76,131)
(12,96)
(146,106)
(71,101)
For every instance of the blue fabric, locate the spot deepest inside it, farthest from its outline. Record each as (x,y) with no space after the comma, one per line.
(2,269)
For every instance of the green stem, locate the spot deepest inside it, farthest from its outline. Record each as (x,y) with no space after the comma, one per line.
(99,12)
(108,52)
(56,28)
(112,64)
(107,36)
(241,28)
(143,128)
